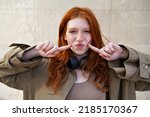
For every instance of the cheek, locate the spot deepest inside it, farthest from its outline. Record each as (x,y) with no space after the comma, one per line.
(70,40)
(89,40)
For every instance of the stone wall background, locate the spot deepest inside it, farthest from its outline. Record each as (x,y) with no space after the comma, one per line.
(32,21)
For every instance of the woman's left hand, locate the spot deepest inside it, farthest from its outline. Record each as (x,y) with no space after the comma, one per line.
(111,51)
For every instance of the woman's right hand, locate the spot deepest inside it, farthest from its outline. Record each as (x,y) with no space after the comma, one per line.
(48,49)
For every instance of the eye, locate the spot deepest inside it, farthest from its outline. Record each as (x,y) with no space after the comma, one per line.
(87,31)
(72,31)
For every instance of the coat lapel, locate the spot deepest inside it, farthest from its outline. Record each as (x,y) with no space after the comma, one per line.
(68,84)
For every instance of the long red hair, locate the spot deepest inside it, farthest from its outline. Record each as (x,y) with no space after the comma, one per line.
(58,66)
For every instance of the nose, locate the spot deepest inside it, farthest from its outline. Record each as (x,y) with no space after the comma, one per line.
(79,37)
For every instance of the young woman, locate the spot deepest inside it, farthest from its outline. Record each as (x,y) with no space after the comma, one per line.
(80,67)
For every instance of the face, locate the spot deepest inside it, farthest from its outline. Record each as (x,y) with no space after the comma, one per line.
(78,35)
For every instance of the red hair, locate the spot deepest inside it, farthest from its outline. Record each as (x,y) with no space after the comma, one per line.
(58,66)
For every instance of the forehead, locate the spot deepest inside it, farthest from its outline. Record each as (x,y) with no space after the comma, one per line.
(78,23)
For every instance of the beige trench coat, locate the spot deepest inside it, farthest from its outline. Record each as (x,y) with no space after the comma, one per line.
(125,76)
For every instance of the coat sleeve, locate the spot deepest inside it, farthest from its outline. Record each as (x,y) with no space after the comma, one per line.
(13,69)
(135,69)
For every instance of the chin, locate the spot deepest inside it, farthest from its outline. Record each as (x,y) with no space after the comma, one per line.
(79,53)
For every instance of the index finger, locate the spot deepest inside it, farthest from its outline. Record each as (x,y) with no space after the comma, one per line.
(64,47)
(95,49)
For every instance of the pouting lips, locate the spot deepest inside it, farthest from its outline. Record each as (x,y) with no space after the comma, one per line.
(79,45)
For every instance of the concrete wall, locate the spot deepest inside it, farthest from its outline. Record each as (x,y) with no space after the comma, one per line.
(32,21)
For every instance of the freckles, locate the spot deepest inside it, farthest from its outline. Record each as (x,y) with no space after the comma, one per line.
(70,41)
(89,41)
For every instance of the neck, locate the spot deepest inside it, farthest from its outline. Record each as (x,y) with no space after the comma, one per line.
(80,56)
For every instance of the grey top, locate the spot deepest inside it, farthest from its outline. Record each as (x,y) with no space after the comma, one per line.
(85,91)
